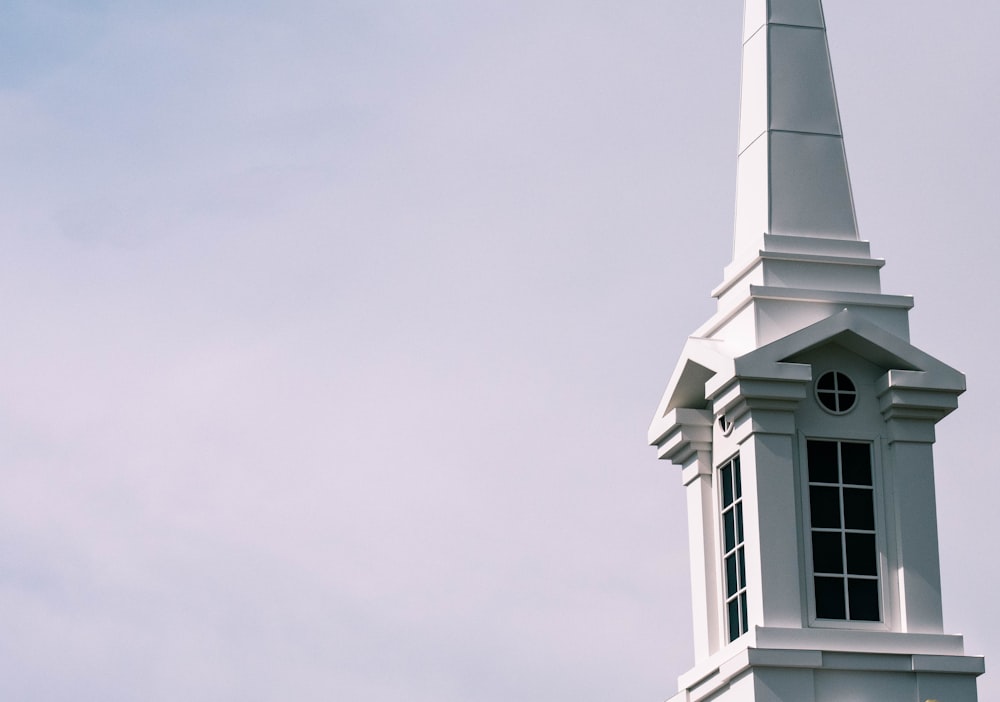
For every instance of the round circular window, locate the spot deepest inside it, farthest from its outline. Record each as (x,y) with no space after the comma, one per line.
(836,392)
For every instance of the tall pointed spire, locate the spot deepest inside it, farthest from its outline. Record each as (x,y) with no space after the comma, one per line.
(797,256)
(792,174)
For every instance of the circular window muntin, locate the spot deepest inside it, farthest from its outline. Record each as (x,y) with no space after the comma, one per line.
(836,393)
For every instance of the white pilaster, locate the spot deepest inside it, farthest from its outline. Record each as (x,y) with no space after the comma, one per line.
(688,443)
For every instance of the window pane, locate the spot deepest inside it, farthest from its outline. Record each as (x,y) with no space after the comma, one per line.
(727,486)
(743,613)
(864,600)
(824,506)
(830,598)
(741,561)
(845,401)
(859,510)
(732,587)
(827,553)
(822,461)
(734,620)
(829,400)
(844,383)
(730,529)
(738,478)
(862,555)
(739,522)
(826,382)
(857,459)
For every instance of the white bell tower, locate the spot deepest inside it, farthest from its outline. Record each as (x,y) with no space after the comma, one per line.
(803,421)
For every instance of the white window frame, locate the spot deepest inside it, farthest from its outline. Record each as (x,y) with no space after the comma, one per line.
(805,531)
(720,559)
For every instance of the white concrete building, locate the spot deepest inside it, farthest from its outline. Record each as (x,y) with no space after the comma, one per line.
(803,421)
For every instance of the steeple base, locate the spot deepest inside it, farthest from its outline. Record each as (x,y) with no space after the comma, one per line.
(815,665)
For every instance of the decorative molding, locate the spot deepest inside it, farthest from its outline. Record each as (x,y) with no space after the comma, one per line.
(688,432)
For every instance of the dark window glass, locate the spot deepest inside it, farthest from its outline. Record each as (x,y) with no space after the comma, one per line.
(741,562)
(827,552)
(845,384)
(830,598)
(824,506)
(822,457)
(727,487)
(826,382)
(743,612)
(730,527)
(732,586)
(859,510)
(737,478)
(829,400)
(857,460)
(739,522)
(863,596)
(862,555)
(734,620)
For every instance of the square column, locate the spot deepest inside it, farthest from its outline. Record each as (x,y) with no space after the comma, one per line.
(912,402)
(763,410)
(689,445)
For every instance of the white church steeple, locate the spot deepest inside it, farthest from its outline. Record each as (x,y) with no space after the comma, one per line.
(803,421)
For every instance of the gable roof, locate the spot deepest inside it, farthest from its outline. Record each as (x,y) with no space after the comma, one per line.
(700,361)
(856,333)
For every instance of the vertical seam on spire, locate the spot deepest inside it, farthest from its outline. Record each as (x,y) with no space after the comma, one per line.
(767,117)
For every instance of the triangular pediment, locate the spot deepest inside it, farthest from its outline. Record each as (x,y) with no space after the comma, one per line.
(857,334)
(701,360)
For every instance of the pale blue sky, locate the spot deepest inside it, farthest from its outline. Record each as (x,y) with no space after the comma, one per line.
(333,330)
